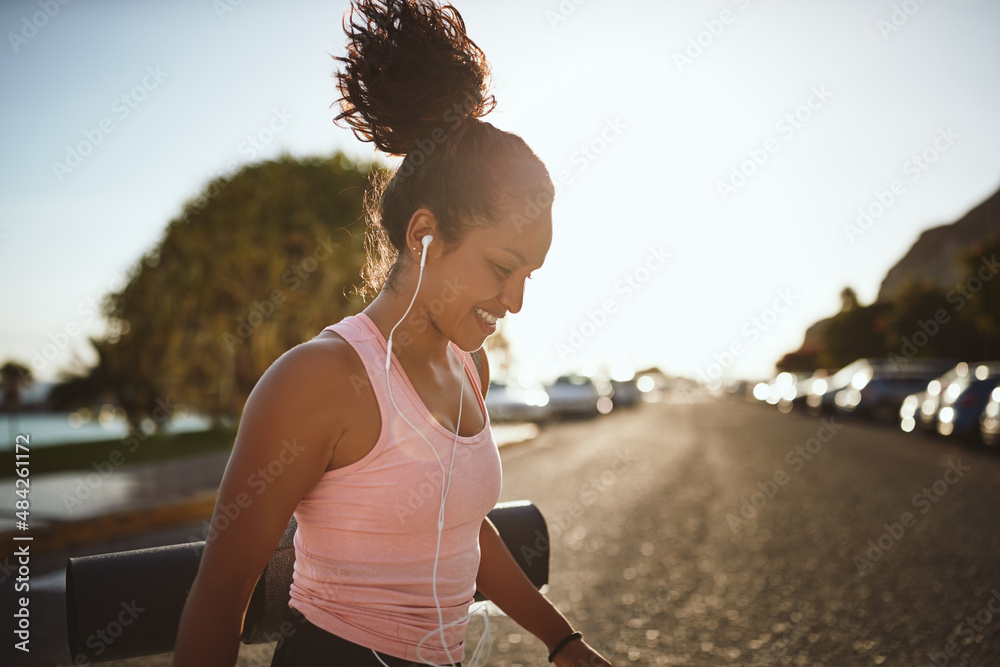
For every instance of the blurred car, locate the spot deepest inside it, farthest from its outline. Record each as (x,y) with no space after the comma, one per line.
(823,392)
(936,388)
(908,411)
(796,398)
(514,403)
(625,393)
(882,394)
(965,399)
(576,396)
(780,390)
(989,421)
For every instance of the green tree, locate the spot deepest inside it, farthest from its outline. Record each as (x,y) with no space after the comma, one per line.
(979,296)
(798,362)
(923,324)
(13,378)
(115,377)
(848,299)
(254,266)
(855,332)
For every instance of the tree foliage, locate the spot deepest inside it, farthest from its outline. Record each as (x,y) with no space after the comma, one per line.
(922,324)
(854,333)
(981,294)
(115,377)
(925,321)
(14,377)
(254,266)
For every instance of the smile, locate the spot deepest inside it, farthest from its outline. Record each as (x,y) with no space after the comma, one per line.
(486,317)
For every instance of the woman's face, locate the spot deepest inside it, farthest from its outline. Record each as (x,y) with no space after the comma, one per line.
(483,277)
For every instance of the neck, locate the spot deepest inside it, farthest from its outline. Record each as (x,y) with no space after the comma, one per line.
(416,339)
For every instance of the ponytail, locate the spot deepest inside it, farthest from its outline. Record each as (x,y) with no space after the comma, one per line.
(413,83)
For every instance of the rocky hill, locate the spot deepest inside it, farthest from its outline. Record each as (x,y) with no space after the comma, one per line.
(934,256)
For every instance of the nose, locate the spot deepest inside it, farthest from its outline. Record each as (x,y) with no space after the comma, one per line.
(512,296)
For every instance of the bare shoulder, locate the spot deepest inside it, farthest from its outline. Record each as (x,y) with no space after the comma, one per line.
(355,401)
(330,352)
(292,422)
(322,372)
(327,379)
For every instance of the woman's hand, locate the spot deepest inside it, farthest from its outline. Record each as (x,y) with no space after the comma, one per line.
(579,654)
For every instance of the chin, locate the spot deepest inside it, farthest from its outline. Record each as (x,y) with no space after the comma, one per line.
(470,337)
(471,344)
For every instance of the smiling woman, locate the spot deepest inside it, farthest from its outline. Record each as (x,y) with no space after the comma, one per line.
(453,236)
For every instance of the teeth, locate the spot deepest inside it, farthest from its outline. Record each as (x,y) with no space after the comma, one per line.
(486,316)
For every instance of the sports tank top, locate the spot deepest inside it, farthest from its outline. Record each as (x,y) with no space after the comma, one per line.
(367,532)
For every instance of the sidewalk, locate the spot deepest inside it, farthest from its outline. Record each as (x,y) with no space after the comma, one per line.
(80,507)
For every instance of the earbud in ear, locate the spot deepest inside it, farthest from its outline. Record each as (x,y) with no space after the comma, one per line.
(423,256)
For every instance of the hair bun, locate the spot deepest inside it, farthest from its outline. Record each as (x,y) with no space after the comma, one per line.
(410,68)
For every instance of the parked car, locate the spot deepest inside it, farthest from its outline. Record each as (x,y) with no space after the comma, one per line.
(908,411)
(576,396)
(796,398)
(625,393)
(652,384)
(936,389)
(514,403)
(823,392)
(881,396)
(780,390)
(989,421)
(965,399)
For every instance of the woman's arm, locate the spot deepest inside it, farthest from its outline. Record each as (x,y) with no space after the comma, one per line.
(501,579)
(289,404)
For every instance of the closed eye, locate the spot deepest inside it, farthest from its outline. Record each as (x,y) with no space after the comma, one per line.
(502,270)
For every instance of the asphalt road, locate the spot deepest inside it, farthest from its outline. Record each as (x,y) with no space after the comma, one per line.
(660,567)
(712,531)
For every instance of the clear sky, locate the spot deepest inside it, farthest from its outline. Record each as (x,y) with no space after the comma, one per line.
(708,154)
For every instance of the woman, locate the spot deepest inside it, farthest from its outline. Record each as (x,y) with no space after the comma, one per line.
(392,467)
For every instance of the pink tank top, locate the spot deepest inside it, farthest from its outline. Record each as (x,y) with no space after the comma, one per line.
(367,532)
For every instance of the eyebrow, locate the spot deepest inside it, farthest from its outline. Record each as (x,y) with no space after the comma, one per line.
(520,257)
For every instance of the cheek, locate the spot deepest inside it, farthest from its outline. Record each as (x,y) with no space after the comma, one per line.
(453,298)
(472,284)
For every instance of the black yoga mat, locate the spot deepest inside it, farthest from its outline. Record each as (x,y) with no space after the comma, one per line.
(128,604)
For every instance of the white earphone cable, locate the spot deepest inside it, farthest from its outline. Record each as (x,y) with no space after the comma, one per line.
(477,659)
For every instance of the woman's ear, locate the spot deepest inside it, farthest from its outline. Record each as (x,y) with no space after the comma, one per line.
(423,223)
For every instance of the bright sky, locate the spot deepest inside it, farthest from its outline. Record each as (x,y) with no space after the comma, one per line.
(669,239)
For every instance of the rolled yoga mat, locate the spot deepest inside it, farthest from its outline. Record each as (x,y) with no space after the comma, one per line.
(128,603)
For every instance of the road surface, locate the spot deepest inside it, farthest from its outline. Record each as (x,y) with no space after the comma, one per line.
(712,531)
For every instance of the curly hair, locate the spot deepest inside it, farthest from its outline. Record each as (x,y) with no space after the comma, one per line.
(414,84)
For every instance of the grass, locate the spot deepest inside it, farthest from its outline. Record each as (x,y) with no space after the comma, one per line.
(99,455)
